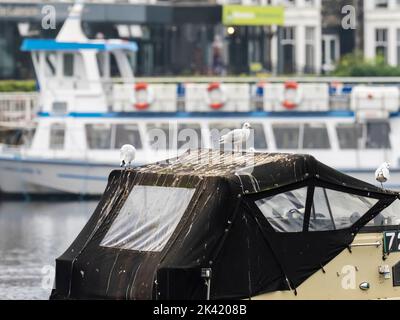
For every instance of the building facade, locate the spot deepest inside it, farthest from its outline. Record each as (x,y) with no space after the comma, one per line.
(178,37)
(382,30)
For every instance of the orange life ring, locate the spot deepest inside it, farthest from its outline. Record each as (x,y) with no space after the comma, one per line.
(212,87)
(143,87)
(291,104)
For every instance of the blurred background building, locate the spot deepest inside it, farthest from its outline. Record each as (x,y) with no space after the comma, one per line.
(215,37)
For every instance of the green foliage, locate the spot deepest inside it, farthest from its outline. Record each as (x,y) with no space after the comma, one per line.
(354,65)
(17,86)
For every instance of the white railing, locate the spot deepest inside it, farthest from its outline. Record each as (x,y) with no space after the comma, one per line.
(17,109)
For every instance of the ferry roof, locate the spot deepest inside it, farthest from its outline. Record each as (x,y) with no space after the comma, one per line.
(99,45)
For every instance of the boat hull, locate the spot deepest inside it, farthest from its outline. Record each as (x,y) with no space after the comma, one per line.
(39,177)
(42,177)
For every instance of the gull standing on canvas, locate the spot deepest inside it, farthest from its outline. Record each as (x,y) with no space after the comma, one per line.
(127,155)
(237,136)
(382,174)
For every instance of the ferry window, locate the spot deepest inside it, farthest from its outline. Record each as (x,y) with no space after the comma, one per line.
(334,210)
(349,135)
(388,217)
(68,64)
(285,211)
(189,136)
(148,218)
(286,136)
(315,136)
(57,136)
(258,136)
(160,136)
(98,136)
(127,134)
(378,135)
(51,61)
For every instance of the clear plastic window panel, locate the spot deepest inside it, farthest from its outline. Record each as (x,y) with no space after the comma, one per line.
(388,217)
(148,218)
(285,211)
(334,210)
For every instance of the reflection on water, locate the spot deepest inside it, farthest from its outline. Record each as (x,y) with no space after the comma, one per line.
(32,236)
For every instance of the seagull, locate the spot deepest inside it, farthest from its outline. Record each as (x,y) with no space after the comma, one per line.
(237,136)
(127,155)
(382,174)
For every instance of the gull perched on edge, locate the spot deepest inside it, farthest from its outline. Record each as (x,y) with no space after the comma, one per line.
(237,136)
(382,174)
(127,155)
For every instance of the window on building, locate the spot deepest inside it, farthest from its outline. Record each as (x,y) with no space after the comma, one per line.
(127,134)
(286,135)
(315,136)
(310,50)
(285,211)
(148,218)
(288,50)
(57,136)
(98,136)
(381,43)
(334,210)
(189,136)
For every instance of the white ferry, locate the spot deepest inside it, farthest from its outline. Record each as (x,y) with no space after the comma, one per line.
(90,105)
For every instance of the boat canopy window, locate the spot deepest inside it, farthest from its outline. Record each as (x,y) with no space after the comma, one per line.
(57,136)
(160,136)
(388,217)
(334,210)
(148,218)
(330,209)
(301,136)
(112,136)
(257,137)
(370,135)
(285,211)
(189,136)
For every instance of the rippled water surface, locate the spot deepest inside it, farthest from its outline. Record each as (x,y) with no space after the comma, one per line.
(32,235)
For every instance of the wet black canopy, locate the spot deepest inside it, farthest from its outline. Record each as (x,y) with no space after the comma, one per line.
(258,222)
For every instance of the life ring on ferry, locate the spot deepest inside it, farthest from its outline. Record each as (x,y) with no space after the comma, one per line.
(292,101)
(144,96)
(216,96)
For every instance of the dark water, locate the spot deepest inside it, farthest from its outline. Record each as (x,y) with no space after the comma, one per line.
(32,235)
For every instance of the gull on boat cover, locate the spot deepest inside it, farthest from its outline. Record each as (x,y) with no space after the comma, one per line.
(185,228)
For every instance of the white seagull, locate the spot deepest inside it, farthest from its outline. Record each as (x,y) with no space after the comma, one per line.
(382,174)
(237,136)
(127,155)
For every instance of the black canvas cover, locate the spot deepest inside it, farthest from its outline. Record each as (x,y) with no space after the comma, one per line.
(213,210)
